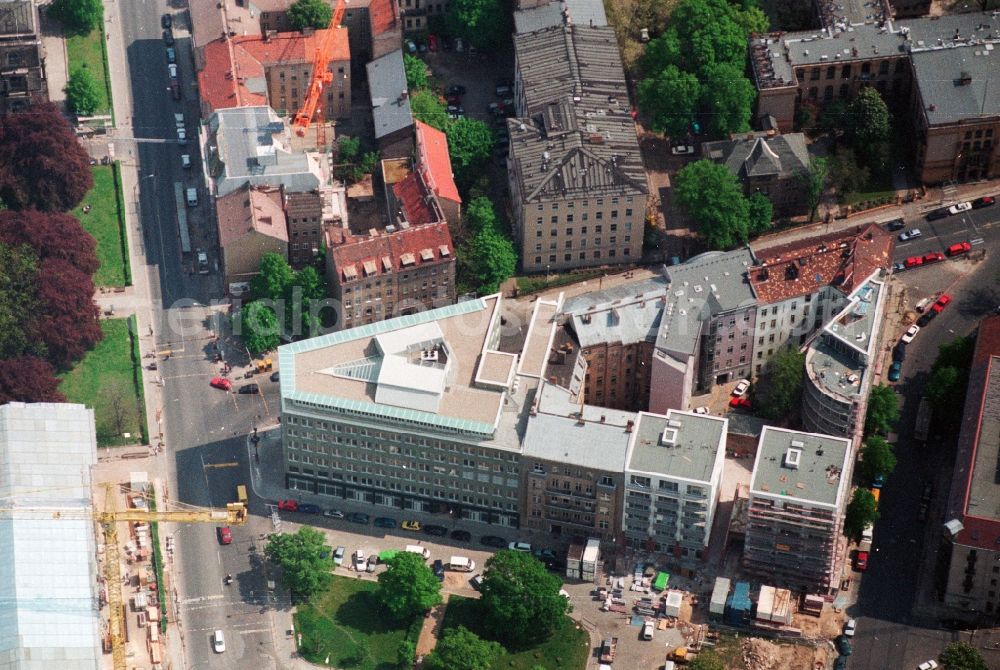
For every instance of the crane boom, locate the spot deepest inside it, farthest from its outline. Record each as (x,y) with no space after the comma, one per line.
(321,75)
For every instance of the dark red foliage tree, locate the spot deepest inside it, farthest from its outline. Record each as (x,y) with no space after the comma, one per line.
(52,235)
(42,165)
(28,379)
(68,322)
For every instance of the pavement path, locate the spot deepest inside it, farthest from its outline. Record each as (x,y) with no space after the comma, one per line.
(56,65)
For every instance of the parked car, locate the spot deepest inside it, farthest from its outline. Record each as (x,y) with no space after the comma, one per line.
(910,333)
(503,90)
(741,387)
(385,522)
(275,376)
(520,546)
(682,150)
(913,261)
(545,555)
(898,267)
(461,535)
(218,642)
(700,410)
(166,21)
(338,556)
(850,627)
(739,402)
(333,514)
(309,508)
(985,201)
(249,389)
(454,89)
(899,352)
(941,303)
(960,207)
(861,561)
(910,235)
(895,371)
(928,665)
(922,511)
(175,90)
(926,318)
(411,525)
(438,568)
(937,214)
(171,55)
(493,541)
(647,630)
(432,43)
(221,383)
(168,37)
(476,582)
(895,224)
(357,517)
(959,249)
(843,646)
(172,70)
(933,257)
(288,505)
(225,535)
(360,561)
(437,531)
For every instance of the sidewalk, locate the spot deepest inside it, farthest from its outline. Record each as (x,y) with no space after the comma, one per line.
(56,65)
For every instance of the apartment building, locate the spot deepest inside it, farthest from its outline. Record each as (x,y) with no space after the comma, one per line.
(532,15)
(273,69)
(386,274)
(251,223)
(769,164)
(304,214)
(22,57)
(935,68)
(672,478)
(433,161)
(416,13)
(972,516)
(798,493)
(577,182)
(390,101)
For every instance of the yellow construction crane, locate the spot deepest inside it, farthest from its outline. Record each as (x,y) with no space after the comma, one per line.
(234,514)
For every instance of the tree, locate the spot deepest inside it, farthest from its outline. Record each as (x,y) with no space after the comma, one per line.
(946,392)
(862,511)
(520,598)
(273,279)
(727,97)
(814,180)
(470,143)
(52,235)
(883,410)
(712,196)
(310,14)
(18,301)
(962,656)
(846,174)
(78,17)
(258,325)
(484,24)
(406,652)
(416,72)
(479,214)
(304,558)
(68,320)
(707,660)
(28,379)
(779,391)
(956,354)
(489,260)
(408,587)
(834,118)
(82,93)
(427,107)
(877,459)
(869,120)
(42,165)
(670,98)
(761,213)
(119,411)
(461,649)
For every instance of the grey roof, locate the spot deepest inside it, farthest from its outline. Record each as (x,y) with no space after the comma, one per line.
(698,440)
(558,401)
(758,155)
(818,479)
(48,576)
(567,440)
(17,17)
(576,137)
(582,12)
(627,314)
(251,146)
(955,84)
(707,284)
(983,498)
(389,97)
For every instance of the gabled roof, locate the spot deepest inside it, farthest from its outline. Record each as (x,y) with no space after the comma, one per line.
(389,97)
(293,47)
(383,16)
(356,256)
(760,155)
(251,210)
(435,161)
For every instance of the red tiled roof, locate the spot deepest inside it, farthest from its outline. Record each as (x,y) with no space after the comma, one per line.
(293,47)
(383,15)
(246,210)
(412,196)
(843,260)
(220,80)
(386,251)
(432,148)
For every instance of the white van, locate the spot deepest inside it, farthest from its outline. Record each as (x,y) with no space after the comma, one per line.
(185,161)
(192,197)
(417,549)
(461,564)
(647,630)
(868,533)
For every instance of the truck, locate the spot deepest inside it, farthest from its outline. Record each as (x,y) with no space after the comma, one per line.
(923,422)
(609,647)
(461,564)
(590,560)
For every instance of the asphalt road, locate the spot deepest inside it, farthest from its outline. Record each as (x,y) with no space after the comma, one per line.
(898,626)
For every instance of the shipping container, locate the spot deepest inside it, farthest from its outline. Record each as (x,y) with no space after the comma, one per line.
(720,592)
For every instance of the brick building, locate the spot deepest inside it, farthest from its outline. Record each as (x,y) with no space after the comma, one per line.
(251,224)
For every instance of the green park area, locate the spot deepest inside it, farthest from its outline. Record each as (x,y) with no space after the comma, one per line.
(101,215)
(87,52)
(105,380)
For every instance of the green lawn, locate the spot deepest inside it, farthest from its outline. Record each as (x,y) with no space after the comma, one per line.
(103,221)
(103,380)
(87,51)
(568,648)
(533,283)
(347,625)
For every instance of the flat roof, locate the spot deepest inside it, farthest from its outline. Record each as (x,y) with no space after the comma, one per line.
(548,14)
(818,478)
(954,84)
(984,489)
(628,319)
(601,446)
(541,331)
(682,445)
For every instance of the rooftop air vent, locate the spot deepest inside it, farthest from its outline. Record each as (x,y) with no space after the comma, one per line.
(669,437)
(792,458)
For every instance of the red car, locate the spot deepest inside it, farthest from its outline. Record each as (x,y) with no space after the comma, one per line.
(740,402)
(959,249)
(288,505)
(933,257)
(861,561)
(432,42)
(225,535)
(941,303)
(985,201)
(913,261)
(221,383)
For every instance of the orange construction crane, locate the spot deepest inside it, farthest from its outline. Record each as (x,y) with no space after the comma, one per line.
(321,76)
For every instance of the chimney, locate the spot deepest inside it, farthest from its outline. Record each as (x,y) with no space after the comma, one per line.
(629,426)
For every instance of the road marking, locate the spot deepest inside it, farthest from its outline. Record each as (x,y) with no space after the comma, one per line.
(201,599)
(232,464)
(254,631)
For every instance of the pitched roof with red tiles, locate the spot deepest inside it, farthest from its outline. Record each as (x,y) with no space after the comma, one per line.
(293,47)
(433,158)
(357,257)
(247,210)
(843,260)
(419,207)
(383,15)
